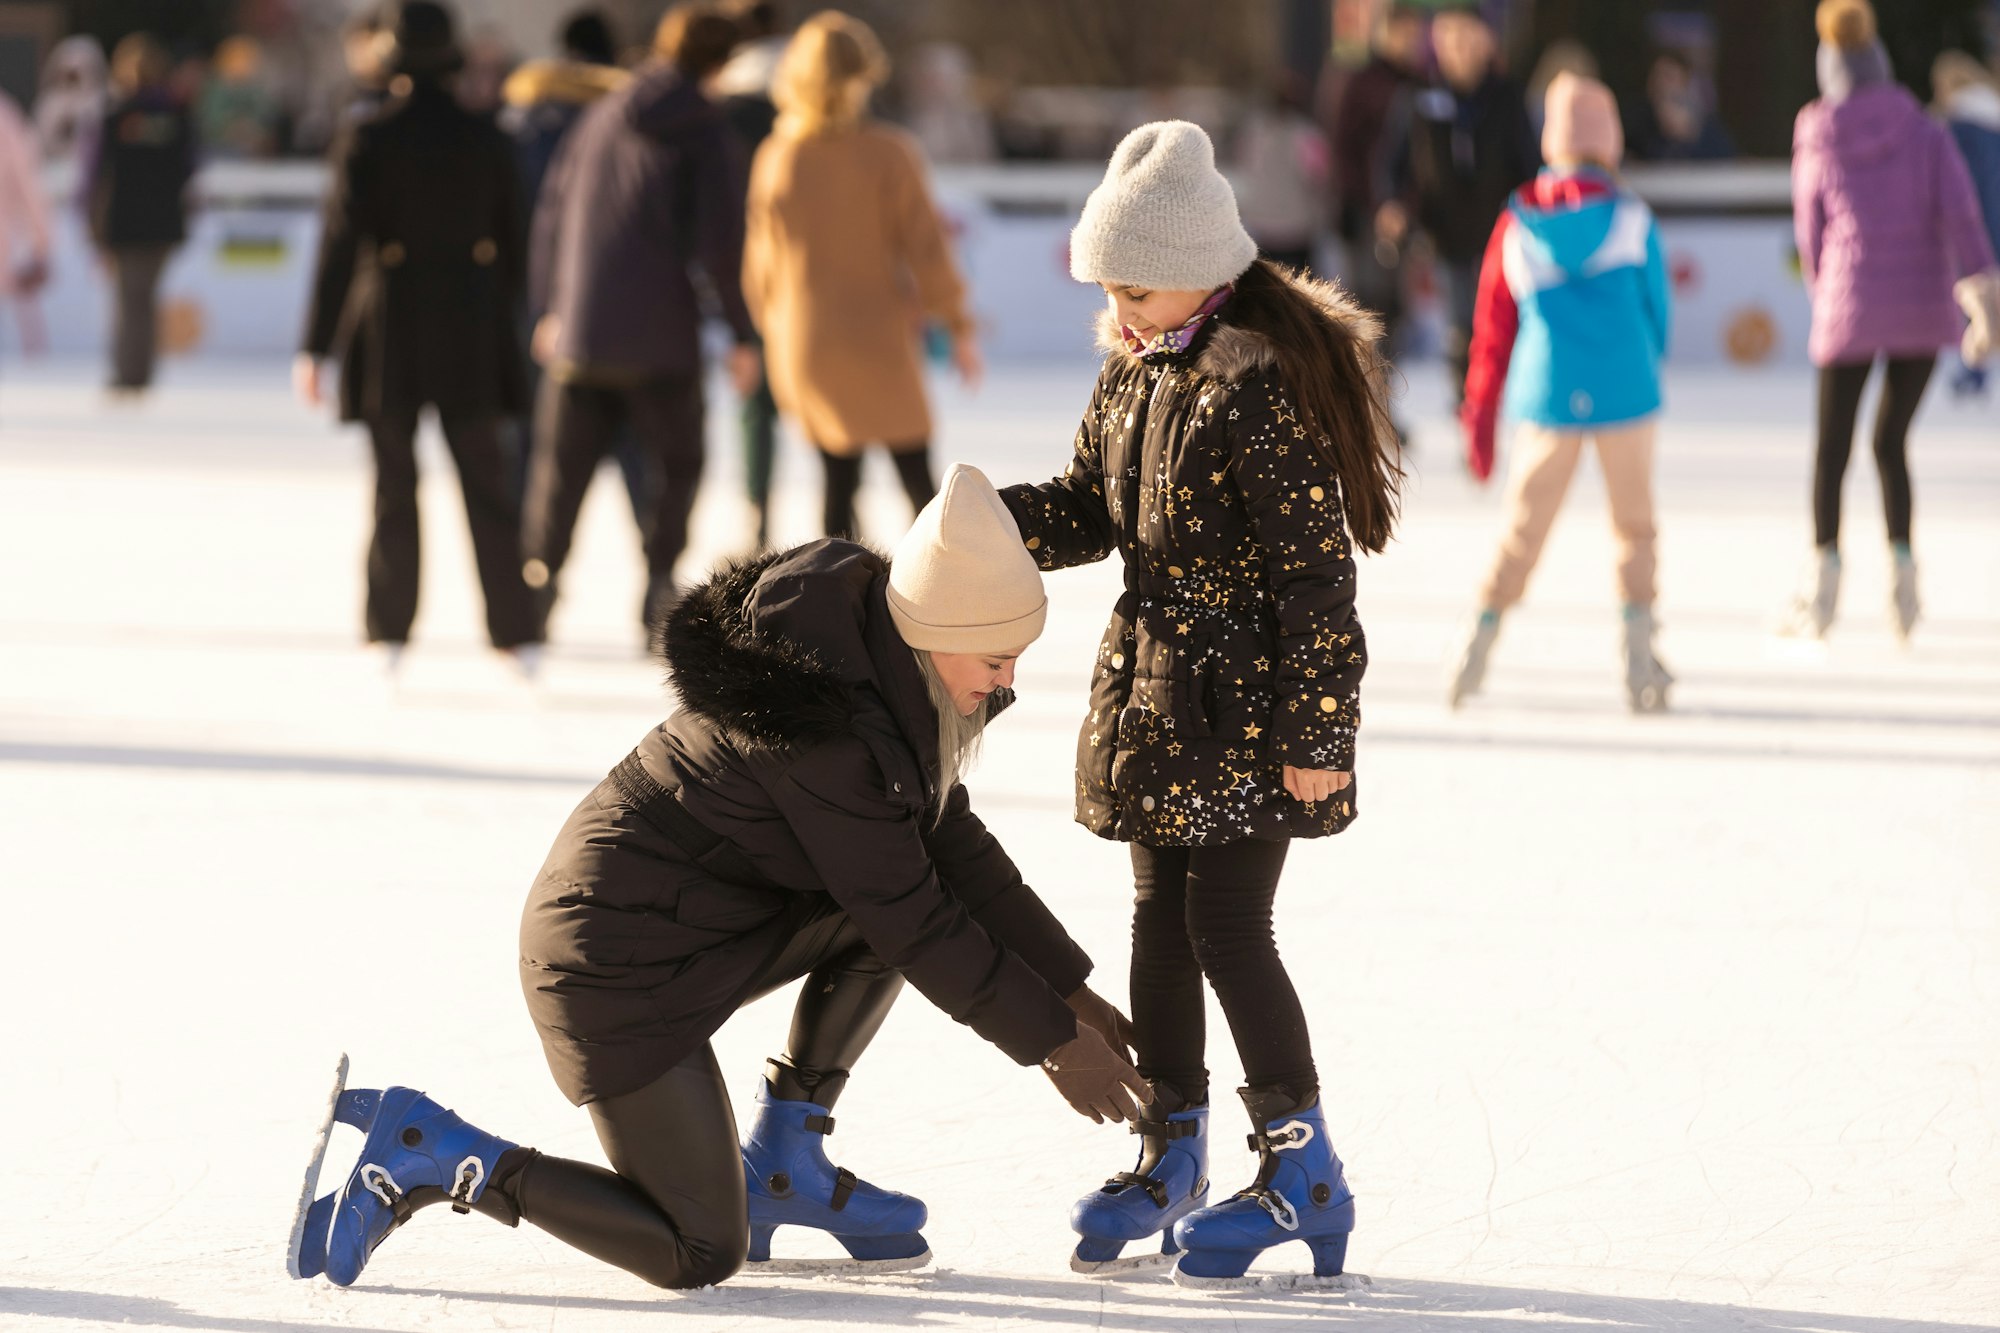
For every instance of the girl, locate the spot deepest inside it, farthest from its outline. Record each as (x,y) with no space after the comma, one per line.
(1886,220)
(1237,442)
(1572,319)
(843,255)
(799,816)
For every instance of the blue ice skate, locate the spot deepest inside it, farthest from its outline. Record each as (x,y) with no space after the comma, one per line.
(1169,1182)
(416,1152)
(791,1183)
(1299,1194)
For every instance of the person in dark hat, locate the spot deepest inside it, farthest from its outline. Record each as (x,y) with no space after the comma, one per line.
(418,280)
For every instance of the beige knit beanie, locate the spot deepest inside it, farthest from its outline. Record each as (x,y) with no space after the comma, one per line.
(1164,217)
(961,581)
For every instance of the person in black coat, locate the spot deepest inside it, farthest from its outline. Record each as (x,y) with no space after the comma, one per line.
(800,815)
(135,192)
(639,227)
(1470,146)
(418,281)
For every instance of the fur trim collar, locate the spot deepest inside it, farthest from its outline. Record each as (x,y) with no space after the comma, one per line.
(758,690)
(1229,352)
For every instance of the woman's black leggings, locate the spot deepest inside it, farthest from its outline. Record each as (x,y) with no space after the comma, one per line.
(673,1210)
(1839,403)
(843,483)
(1206,912)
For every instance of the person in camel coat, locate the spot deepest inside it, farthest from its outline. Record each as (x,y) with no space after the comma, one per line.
(844,260)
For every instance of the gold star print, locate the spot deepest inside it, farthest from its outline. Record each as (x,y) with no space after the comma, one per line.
(1252,732)
(1215,478)
(1326,545)
(1182,628)
(1195,524)
(1174,749)
(1186,494)
(1285,508)
(1262,664)
(1174,790)
(1244,781)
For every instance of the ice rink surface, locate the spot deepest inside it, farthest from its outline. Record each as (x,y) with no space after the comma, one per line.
(1687,1022)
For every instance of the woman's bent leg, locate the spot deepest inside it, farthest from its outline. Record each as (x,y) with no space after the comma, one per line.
(1230,890)
(1169,1022)
(674,1212)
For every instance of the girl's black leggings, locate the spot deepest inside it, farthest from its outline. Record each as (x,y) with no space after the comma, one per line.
(672,1210)
(1840,388)
(843,483)
(1206,912)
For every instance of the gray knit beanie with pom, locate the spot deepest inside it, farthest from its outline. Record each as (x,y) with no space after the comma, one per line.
(1164,216)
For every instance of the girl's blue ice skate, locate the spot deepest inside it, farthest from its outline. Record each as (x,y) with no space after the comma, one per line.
(791,1183)
(416,1153)
(1169,1182)
(1299,1194)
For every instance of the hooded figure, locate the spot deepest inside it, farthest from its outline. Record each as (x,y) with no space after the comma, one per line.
(1887,223)
(1572,317)
(799,816)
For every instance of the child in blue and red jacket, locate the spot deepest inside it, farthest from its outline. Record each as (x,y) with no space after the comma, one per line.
(1572,319)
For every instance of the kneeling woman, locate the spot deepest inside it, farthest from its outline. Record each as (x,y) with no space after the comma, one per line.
(799,816)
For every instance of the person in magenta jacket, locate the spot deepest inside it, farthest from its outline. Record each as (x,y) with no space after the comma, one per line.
(1887,222)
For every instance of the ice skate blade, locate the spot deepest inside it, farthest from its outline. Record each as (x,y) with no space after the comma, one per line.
(839,1267)
(1253,1282)
(1126,1263)
(296,1262)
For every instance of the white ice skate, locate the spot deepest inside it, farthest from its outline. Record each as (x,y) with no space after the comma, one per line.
(1468,669)
(1646,680)
(1811,613)
(1903,605)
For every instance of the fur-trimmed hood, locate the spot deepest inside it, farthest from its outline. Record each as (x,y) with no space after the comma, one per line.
(780,650)
(756,688)
(1228,352)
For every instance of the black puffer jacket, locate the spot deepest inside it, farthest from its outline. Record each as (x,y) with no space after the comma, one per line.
(805,740)
(1235,649)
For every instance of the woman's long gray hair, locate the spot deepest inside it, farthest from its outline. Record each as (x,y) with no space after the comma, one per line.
(958,736)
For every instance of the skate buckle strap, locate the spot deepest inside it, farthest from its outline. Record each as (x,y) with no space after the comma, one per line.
(820,1124)
(1169,1130)
(1154,1189)
(1277,1205)
(381,1184)
(844,1182)
(1280,1138)
(471,1175)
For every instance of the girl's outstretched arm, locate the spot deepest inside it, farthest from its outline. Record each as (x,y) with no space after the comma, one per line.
(1066,521)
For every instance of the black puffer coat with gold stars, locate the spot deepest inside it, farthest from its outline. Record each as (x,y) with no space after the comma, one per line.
(1235,649)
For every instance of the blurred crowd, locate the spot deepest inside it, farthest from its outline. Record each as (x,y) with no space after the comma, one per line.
(532,250)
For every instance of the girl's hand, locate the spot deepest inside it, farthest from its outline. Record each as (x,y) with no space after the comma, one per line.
(966,357)
(1312,785)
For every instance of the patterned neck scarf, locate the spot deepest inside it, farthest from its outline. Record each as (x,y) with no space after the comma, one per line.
(1177,340)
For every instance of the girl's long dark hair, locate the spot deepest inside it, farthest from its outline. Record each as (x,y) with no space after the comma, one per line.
(1336,369)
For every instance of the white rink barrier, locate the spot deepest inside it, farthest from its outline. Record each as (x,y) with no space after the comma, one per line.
(239,286)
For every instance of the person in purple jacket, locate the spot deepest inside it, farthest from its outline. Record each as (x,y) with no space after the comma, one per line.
(1887,220)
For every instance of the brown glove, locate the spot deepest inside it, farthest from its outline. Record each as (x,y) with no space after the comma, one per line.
(1094,1079)
(1096,1011)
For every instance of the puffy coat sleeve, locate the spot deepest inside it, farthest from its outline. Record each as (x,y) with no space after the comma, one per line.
(346,220)
(1295,510)
(869,852)
(978,872)
(920,236)
(1496,319)
(1808,203)
(1067,521)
